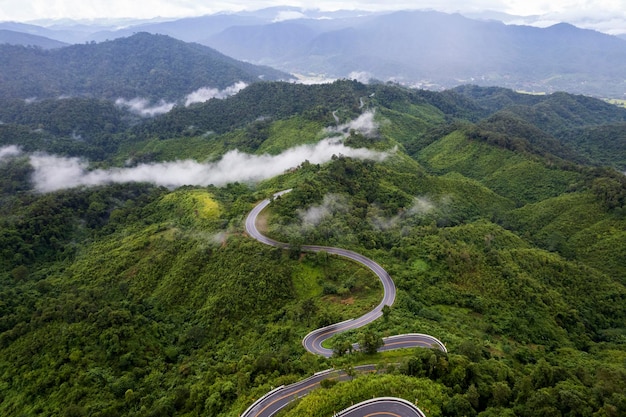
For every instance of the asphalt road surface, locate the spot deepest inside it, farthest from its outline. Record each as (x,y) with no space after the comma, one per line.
(274,401)
(384,406)
(270,404)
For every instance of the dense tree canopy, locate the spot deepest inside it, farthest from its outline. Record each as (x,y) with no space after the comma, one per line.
(505,240)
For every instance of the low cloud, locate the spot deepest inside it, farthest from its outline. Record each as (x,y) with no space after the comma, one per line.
(313,79)
(144,108)
(363,77)
(53,172)
(206,93)
(421,207)
(364,124)
(218,238)
(331,204)
(288,15)
(9,151)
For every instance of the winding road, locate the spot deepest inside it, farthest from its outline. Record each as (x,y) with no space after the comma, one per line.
(383,406)
(275,400)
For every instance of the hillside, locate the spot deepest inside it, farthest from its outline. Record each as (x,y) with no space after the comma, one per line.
(433,49)
(559,123)
(417,48)
(128,285)
(154,67)
(12,37)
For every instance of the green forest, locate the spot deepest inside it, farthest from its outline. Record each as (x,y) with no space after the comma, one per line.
(500,216)
(156,67)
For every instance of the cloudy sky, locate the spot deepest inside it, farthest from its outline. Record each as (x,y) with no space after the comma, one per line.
(25,10)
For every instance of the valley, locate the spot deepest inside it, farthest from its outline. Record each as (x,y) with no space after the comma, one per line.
(134,282)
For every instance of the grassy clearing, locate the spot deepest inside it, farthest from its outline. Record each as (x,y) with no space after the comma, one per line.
(306,281)
(384,360)
(617,102)
(191,206)
(344,289)
(204,203)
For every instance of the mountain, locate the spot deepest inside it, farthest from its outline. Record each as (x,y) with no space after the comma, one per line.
(120,296)
(589,127)
(31,29)
(74,32)
(420,48)
(192,29)
(154,67)
(19,38)
(264,43)
(432,48)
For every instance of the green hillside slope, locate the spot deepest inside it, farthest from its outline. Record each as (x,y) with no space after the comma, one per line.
(129,299)
(155,67)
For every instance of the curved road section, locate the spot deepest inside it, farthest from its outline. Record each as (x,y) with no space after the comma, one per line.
(382,406)
(313,341)
(275,400)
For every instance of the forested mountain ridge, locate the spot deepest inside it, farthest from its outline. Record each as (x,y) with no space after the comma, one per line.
(154,67)
(546,122)
(556,122)
(12,37)
(417,48)
(576,128)
(504,236)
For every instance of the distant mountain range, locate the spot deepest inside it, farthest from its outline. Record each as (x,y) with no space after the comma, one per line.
(20,38)
(431,49)
(154,67)
(191,29)
(418,48)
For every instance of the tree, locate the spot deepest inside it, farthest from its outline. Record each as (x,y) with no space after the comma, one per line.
(459,406)
(341,347)
(501,394)
(386,312)
(20,273)
(473,396)
(370,342)
(308,309)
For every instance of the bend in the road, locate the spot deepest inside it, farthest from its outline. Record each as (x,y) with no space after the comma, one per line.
(271,403)
(314,340)
(382,406)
